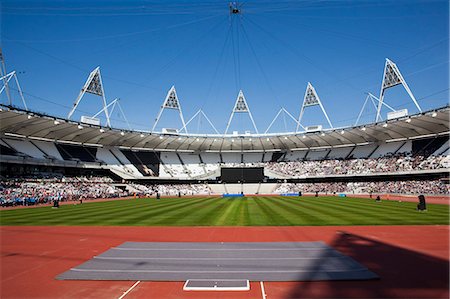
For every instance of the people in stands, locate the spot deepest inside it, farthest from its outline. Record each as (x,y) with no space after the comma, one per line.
(387,163)
(432,187)
(37,190)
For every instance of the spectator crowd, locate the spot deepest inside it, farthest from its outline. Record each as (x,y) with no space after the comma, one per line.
(45,189)
(432,187)
(388,163)
(40,191)
(172,189)
(24,192)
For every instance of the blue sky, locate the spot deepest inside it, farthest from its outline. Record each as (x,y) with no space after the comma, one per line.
(271,52)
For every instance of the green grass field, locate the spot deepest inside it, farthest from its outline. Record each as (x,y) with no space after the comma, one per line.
(215,211)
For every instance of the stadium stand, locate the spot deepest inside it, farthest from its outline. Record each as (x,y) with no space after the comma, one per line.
(8,151)
(48,148)
(383,158)
(77,153)
(430,187)
(146,162)
(106,156)
(392,161)
(21,191)
(42,191)
(27,148)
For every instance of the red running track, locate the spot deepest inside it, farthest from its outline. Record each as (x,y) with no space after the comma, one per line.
(412,261)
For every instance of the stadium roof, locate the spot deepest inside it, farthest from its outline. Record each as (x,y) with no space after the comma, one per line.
(15,122)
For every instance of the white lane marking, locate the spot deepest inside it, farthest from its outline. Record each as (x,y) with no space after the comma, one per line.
(201,271)
(263,292)
(213,258)
(129,290)
(221,249)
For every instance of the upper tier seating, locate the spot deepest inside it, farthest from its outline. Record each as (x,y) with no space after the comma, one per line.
(386,149)
(390,157)
(339,152)
(146,162)
(27,148)
(121,167)
(77,152)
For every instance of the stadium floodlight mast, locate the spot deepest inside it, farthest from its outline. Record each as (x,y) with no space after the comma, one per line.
(282,110)
(5,78)
(6,84)
(93,85)
(171,102)
(310,99)
(373,99)
(114,104)
(241,107)
(392,77)
(199,113)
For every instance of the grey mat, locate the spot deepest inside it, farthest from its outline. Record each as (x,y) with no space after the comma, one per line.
(161,261)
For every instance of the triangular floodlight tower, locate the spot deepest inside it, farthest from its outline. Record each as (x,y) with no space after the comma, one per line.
(5,78)
(310,99)
(282,110)
(375,101)
(113,105)
(171,102)
(392,77)
(93,85)
(241,107)
(199,113)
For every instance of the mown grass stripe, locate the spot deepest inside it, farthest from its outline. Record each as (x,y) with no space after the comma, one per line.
(183,210)
(231,211)
(350,211)
(273,212)
(162,210)
(226,217)
(209,214)
(297,208)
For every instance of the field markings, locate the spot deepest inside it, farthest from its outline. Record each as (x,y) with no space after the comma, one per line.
(130,289)
(263,292)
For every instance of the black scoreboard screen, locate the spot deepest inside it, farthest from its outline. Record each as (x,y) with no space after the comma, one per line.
(242,175)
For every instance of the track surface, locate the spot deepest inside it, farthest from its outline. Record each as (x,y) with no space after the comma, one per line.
(412,261)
